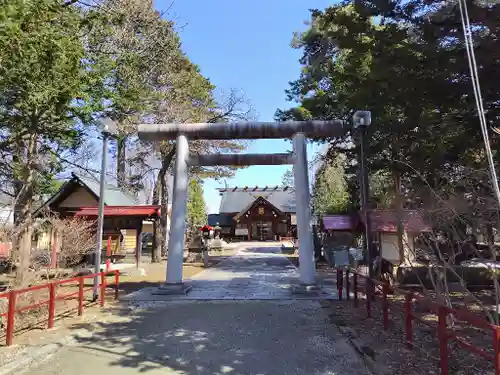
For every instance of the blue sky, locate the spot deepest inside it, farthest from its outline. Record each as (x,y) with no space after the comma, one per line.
(245,45)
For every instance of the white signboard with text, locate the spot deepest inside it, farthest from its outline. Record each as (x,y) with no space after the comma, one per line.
(293,219)
(241,232)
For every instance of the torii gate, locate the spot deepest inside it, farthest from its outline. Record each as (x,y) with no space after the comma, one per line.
(297,130)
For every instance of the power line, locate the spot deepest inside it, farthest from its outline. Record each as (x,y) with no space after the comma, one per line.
(471,57)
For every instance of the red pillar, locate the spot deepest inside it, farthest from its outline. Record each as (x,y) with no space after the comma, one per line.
(138,244)
(108,254)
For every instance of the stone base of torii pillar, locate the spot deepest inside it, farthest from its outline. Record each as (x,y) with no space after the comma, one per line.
(307,290)
(170,289)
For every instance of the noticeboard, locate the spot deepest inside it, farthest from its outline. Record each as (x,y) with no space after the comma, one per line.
(241,232)
(341,258)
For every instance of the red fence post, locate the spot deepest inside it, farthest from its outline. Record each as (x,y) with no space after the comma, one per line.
(108,254)
(496,346)
(338,280)
(340,284)
(347,285)
(103,288)
(385,305)
(117,283)
(443,340)
(369,296)
(355,287)
(11,314)
(81,284)
(408,320)
(52,304)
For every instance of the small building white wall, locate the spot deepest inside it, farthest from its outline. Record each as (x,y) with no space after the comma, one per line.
(390,250)
(6,215)
(79,198)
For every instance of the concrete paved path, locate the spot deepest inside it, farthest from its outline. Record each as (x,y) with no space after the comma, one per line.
(211,338)
(270,337)
(256,272)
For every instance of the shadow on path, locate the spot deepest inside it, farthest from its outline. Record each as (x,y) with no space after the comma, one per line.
(212,338)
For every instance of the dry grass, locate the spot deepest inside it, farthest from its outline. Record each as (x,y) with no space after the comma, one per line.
(389,347)
(36,318)
(155,275)
(66,304)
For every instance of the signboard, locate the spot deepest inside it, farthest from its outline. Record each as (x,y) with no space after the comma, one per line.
(293,219)
(241,232)
(338,222)
(341,258)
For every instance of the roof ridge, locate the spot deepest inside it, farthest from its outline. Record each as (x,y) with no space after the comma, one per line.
(249,189)
(107,185)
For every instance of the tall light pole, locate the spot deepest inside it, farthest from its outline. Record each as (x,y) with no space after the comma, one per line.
(108,130)
(361,120)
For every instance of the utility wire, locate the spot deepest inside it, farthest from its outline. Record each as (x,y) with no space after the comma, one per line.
(471,56)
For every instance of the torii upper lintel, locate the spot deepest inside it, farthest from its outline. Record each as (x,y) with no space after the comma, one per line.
(243,130)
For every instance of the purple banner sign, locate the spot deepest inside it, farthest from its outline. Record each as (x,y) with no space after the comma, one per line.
(338,222)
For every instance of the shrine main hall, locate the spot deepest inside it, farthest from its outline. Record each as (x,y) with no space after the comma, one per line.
(256,213)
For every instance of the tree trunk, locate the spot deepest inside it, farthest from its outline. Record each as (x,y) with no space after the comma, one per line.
(121,155)
(26,218)
(160,197)
(400,230)
(164,211)
(157,227)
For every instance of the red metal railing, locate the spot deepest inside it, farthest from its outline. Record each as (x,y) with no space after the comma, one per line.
(444,333)
(12,297)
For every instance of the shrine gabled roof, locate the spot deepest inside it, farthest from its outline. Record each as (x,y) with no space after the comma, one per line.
(236,199)
(258,200)
(113,196)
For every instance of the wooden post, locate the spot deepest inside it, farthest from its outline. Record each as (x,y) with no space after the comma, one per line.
(408,320)
(347,285)
(53,255)
(117,283)
(52,304)
(11,317)
(385,305)
(340,282)
(496,346)
(369,296)
(138,244)
(443,340)
(81,285)
(102,294)
(108,254)
(355,287)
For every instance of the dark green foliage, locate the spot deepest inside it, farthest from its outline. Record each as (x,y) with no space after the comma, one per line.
(405,62)
(196,208)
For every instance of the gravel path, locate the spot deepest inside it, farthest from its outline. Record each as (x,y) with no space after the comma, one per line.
(254,273)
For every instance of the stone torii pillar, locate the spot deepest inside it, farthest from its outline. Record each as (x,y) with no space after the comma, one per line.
(179,210)
(298,130)
(303,198)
